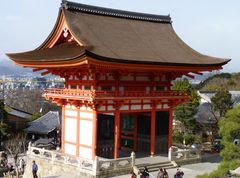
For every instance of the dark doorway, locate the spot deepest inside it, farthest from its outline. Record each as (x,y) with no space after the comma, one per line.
(161,130)
(143,132)
(105,134)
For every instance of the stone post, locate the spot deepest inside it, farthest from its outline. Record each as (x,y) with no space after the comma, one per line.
(133,156)
(170,153)
(96,165)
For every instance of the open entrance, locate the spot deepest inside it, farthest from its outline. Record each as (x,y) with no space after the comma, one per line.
(161,132)
(105,135)
(134,135)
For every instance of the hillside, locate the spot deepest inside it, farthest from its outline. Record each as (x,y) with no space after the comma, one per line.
(8,68)
(226,81)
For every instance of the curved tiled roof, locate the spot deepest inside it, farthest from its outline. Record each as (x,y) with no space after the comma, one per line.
(122,37)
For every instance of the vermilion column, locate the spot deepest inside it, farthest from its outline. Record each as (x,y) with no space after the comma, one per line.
(63,130)
(116,132)
(94,146)
(153,123)
(170,129)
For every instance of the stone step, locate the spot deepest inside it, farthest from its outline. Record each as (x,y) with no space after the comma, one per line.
(155,166)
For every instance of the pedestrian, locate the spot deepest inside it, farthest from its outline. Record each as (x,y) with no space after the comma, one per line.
(179,173)
(34,169)
(21,165)
(160,173)
(165,173)
(145,172)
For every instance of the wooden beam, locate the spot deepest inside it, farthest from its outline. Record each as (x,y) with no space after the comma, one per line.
(37,69)
(45,73)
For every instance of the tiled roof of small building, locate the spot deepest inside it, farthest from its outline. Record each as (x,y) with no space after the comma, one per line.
(45,124)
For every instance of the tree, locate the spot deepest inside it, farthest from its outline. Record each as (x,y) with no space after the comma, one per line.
(16,145)
(222,102)
(229,130)
(185,112)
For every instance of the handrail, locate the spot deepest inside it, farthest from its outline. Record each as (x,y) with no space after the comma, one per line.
(53,92)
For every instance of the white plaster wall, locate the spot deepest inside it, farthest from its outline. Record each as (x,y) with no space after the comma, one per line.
(84,78)
(70,106)
(85,152)
(165,106)
(159,106)
(86,115)
(70,130)
(146,106)
(102,108)
(135,101)
(85,108)
(70,113)
(124,107)
(70,149)
(110,108)
(136,107)
(86,132)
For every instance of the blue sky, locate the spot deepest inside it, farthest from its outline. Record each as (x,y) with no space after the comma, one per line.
(210,27)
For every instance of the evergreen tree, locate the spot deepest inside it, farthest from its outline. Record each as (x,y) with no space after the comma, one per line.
(222,102)
(229,130)
(185,112)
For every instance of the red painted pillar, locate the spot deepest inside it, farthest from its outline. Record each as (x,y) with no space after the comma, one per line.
(170,129)
(63,130)
(116,133)
(152,139)
(94,145)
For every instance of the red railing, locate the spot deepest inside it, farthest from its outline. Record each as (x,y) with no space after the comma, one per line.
(84,94)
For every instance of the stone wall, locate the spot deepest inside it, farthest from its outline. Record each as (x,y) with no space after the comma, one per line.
(46,169)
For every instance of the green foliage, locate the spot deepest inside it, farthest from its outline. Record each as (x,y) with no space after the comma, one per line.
(185,112)
(177,137)
(222,102)
(34,117)
(189,139)
(229,130)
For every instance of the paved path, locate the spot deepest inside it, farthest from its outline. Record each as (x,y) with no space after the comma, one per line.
(192,170)
(210,163)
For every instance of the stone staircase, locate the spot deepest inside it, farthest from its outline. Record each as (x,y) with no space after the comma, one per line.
(154,163)
(155,166)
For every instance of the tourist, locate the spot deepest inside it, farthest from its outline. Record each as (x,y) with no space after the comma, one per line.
(34,169)
(21,165)
(160,173)
(179,173)
(165,173)
(133,175)
(145,172)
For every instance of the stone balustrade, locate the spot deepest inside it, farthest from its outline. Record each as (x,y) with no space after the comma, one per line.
(97,167)
(179,155)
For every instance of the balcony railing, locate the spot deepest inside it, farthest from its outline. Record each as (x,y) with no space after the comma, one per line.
(93,94)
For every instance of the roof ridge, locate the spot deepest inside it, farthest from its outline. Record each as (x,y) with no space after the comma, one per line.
(115,12)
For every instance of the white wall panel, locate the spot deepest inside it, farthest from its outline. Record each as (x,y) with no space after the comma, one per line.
(70,149)
(86,132)
(86,115)
(125,107)
(85,152)
(146,106)
(70,130)
(136,107)
(71,113)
